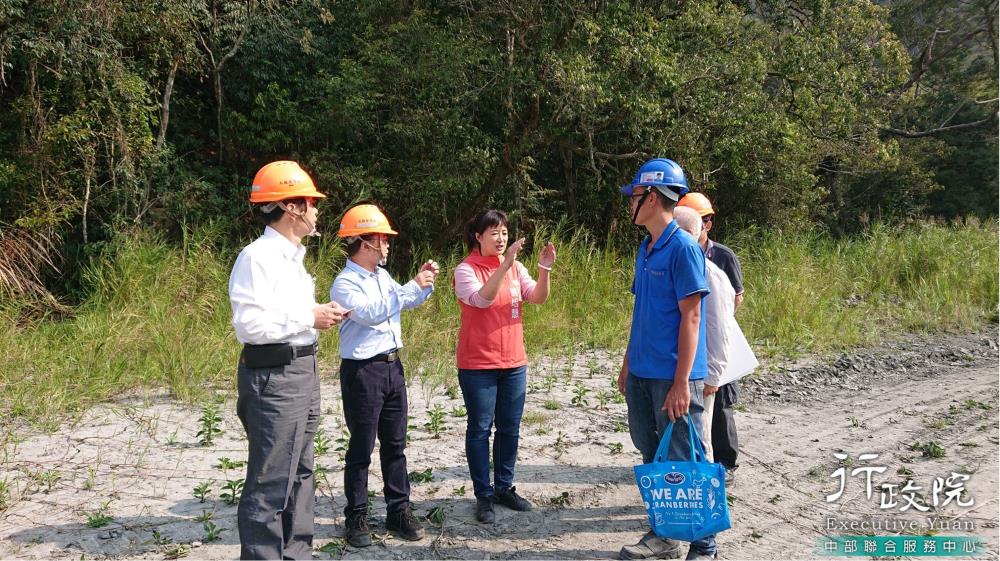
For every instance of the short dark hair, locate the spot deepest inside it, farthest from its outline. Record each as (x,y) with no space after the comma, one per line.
(354,247)
(480,223)
(666,202)
(275,214)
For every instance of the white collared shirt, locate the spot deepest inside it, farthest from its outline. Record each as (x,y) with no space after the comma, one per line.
(271,293)
(719,317)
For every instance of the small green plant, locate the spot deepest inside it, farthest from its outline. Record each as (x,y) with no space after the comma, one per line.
(229,463)
(437,515)
(5,494)
(621,426)
(205,516)
(343,441)
(602,400)
(451,391)
(550,383)
(91,481)
(202,490)
(48,478)
(161,539)
(212,532)
(615,448)
(211,425)
(929,449)
(552,405)
(580,395)
(435,422)
(422,476)
(321,442)
(231,491)
(333,548)
(100,517)
(320,471)
(561,500)
(542,431)
(459,411)
(972,404)
(371,502)
(459,492)
(560,444)
(774,500)
(903,470)
(857,423)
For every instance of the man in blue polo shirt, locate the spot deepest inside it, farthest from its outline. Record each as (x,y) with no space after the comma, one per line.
(665,363)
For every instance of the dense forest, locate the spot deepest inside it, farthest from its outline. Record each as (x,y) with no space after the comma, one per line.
(791,115)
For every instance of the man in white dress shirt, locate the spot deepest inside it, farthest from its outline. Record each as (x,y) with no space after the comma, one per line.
(719,311)
(277,318)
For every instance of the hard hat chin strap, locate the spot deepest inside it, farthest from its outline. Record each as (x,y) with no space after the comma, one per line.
(638,205)
(300,215)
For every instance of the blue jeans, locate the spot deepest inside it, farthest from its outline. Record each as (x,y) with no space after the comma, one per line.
(492,396)
(646,421)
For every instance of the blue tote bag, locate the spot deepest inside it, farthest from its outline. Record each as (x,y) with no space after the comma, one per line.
(685,500)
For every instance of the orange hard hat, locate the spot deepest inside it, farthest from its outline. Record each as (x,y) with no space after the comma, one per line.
(698,202)
(282,180)
(364,219)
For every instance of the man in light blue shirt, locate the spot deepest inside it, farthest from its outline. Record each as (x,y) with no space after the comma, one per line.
(372,383)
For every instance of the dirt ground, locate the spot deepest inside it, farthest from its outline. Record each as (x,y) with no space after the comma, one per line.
(133,465)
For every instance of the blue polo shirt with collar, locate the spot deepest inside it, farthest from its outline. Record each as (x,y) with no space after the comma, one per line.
(672,271)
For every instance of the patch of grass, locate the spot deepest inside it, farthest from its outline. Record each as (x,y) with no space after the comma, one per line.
(552,405)
(168,305)
(534,418)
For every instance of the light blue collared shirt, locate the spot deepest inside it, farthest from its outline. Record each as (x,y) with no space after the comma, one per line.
(375,301)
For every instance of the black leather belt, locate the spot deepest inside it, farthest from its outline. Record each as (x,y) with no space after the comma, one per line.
(275,354)
(390,356)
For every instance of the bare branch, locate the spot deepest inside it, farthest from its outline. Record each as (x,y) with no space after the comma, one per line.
(921,134)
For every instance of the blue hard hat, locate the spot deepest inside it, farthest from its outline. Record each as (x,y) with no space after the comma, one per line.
(666,176)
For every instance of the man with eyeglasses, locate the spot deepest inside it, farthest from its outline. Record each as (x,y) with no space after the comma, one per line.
(277,319)
(372,383)
(725,443)
(665,362)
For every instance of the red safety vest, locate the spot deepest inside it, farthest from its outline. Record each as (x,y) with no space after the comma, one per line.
(492,338)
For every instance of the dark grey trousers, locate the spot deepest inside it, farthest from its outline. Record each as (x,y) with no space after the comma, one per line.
(279,408)
(725,444)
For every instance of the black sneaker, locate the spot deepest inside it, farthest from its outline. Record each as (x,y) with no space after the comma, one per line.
(510,499)
(404,525)
(357,533)
(484,510)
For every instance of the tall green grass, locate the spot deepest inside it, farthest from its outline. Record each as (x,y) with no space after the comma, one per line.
(158,315)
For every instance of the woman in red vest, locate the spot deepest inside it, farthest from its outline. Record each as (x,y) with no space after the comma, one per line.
(491,286)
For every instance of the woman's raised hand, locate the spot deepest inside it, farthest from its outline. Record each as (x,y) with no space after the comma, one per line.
(511,256)
(547,257)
